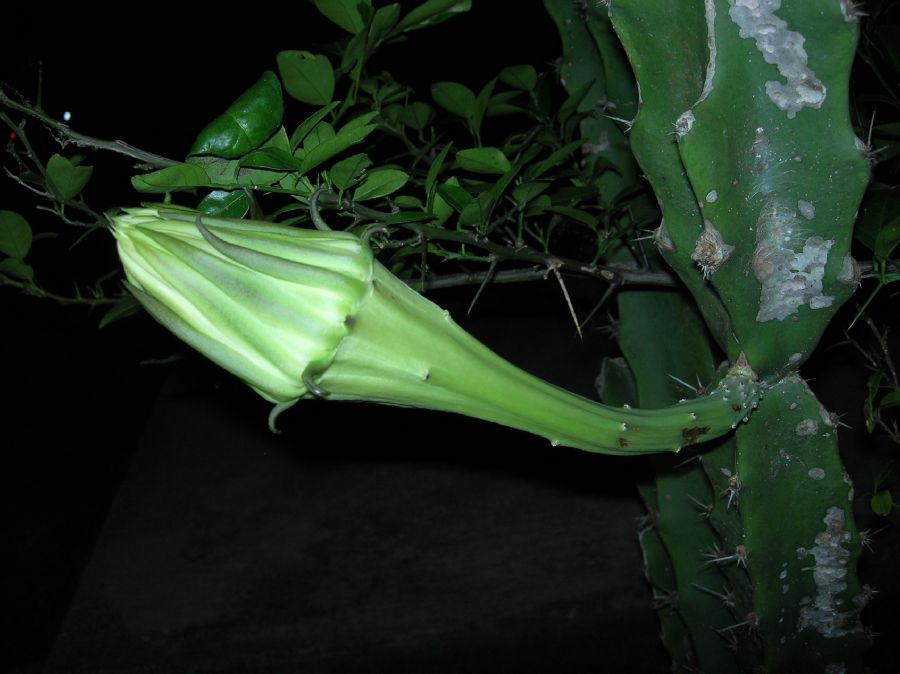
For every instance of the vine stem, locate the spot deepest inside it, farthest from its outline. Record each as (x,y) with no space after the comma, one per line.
(82,140)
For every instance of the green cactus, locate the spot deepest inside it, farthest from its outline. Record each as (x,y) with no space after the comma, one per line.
(743,131)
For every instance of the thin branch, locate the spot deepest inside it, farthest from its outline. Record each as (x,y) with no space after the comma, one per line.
(35,291)
(81,140)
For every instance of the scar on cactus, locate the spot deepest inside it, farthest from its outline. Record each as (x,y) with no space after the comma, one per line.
(711,251)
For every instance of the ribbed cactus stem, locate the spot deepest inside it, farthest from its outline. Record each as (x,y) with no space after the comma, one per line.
(301,313)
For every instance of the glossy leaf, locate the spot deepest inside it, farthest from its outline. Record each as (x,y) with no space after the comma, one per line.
(520,77)
(380,184)
(347,171)
(171,179)
(891,399)
(345,13)
(455,98)
(483,160)
(225,204)
(433,12)
(16,268)
(66,179)
(307,77)
(252,118)
(15,234)
(416,115)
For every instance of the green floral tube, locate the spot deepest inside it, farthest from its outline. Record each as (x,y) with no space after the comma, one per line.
(300,313)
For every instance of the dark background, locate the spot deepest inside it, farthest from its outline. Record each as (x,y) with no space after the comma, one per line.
(78,399)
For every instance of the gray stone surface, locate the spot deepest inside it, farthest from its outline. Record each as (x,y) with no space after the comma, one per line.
(361,539)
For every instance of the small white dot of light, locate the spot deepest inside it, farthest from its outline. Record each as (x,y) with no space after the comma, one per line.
(67,116)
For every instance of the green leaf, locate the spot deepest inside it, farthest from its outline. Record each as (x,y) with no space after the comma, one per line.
(525,192)
(270,158)
(878,225)
(483,160)
(455,196)
(252,118)
(15,234)
(433,12)
(65,179)
(434,171)
(352,133)
(323,131)
(891,399)
(519,77)
(417,115)
(538,206)
(455,98)
(409,203)
(882,502)
(577,215)
(309,124)
(121,309)
(219,171)
(345,172)
(248,177)
(345,13)
(555,158)
(404,217)
(171,179)
(478,211)
(225,204)
(383,22)
(380,183)
(17,268)
(307,77)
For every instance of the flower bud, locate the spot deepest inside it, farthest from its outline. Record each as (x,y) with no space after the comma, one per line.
(267,302)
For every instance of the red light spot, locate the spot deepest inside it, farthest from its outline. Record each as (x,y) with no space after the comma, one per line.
(12,135)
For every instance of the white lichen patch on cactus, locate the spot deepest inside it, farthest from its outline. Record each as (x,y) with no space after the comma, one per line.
(782,48)
(710,12)
(816,473)
(711,251)
(850,273)
(807,210)
(807,427)
(789,279)
(822,613)
(712,197)
(684,123)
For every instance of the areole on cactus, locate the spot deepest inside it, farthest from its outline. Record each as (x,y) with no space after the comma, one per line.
(303,313)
